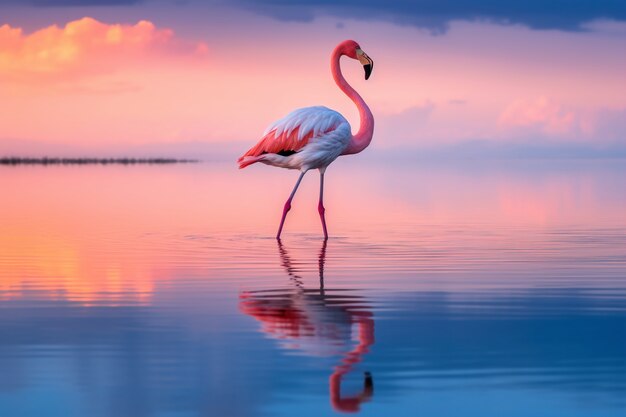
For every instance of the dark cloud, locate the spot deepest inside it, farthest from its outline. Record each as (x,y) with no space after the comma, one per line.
(72,3)
(435,15)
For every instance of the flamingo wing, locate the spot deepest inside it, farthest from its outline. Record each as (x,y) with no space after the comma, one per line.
(294,131)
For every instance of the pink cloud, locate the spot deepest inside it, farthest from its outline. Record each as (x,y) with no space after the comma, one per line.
(85,46)
(542,114)
(545,117)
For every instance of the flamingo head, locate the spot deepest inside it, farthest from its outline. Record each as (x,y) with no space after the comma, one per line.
(353,50)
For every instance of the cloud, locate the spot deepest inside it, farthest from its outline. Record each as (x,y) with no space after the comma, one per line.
(73,3)
(543,115)
(84,46)
(610,27)
(435,15)
(547,118)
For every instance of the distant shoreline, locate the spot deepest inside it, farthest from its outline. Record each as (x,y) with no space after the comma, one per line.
(10,160)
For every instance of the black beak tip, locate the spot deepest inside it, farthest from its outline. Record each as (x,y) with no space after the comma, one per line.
(368,70)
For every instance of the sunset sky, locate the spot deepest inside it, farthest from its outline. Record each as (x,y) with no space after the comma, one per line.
(116,77)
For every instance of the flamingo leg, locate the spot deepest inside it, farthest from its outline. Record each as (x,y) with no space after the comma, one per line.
(320,206)
(288,206)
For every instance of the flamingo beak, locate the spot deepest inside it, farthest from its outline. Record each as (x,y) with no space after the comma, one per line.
(366,61)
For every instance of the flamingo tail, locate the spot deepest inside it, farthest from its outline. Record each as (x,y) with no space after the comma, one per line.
(244,161)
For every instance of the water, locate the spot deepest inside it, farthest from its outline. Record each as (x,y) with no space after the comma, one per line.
(483,289)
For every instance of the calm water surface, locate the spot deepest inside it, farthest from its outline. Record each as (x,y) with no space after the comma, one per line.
(487,289)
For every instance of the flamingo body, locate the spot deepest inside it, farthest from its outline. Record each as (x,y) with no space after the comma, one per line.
(307,138)
(313,137)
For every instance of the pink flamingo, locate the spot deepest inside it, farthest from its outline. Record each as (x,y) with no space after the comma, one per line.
(313,137)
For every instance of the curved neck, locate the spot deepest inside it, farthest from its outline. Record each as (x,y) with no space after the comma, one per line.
(363,137)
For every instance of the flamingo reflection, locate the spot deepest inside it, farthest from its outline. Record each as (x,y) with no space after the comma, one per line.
(316,323)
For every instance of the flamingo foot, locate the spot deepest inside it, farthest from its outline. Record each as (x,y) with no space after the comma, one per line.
(321,210)
(282,220)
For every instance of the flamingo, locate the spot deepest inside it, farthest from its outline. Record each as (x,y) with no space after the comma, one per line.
(313,137)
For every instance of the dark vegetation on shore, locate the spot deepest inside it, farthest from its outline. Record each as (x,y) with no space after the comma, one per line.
(11,160)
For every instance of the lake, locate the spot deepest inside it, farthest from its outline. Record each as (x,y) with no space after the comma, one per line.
(446,289)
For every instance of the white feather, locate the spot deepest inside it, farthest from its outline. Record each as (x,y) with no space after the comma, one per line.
(331,134)
(317,119)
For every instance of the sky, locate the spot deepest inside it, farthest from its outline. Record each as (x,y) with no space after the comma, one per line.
(185,78)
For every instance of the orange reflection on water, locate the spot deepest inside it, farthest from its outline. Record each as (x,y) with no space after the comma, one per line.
(316,323)
(111,234)
(72,234)
(64,269)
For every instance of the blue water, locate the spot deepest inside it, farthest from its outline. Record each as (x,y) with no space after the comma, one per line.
(152,304)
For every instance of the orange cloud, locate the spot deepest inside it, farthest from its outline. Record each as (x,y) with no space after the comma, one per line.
(84,46)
